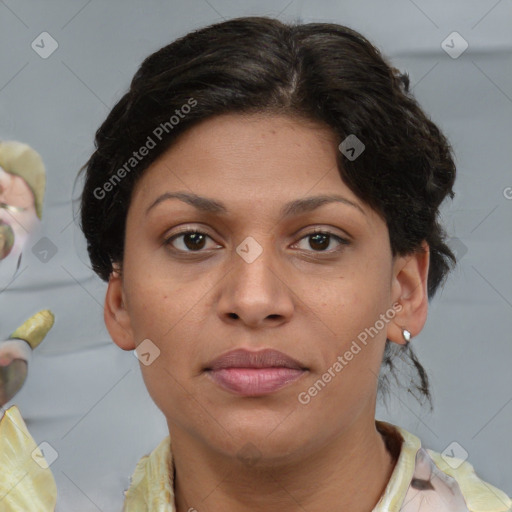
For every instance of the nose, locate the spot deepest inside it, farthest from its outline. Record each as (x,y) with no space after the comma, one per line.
(254,291)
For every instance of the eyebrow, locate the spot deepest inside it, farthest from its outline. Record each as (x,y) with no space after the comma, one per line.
(290,209)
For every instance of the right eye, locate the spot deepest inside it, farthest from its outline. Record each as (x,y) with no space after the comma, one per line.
(192,239)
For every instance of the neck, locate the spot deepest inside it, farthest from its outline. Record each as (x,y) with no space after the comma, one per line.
(349,472)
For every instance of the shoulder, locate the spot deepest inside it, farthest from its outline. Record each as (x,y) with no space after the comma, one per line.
(427,480)
(479,495)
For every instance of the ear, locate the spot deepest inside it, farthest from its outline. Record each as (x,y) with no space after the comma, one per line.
(409,289)
(115,314)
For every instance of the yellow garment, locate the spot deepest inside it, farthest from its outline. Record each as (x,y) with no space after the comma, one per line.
(421,481)
(25,486)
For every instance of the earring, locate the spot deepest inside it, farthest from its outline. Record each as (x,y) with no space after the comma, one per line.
(407,336)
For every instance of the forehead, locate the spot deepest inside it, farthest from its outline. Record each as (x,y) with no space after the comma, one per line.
(233,155)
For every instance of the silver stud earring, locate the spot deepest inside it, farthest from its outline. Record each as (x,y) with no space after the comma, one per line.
(407,335)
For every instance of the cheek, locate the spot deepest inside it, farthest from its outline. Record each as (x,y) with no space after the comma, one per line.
(155,311)
(351,307)
(170,321)
(355,300)
(166,300)
(167,315)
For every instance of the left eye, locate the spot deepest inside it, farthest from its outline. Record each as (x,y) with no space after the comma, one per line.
(194,241)
(320,240)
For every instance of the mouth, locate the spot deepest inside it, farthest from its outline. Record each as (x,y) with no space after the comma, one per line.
(254,373)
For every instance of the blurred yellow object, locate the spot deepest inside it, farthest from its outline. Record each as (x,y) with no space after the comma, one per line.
(25,485)
(20,159)
(35,328)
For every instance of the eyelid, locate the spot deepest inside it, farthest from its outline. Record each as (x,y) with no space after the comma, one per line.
(316,228)
(310,229)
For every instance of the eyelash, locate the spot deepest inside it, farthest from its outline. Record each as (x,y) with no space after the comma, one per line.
(342,241)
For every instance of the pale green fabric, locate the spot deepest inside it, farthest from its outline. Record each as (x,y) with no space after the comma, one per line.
(441,487)
(26,481)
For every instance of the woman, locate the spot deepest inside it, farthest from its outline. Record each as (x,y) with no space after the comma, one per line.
(263,203)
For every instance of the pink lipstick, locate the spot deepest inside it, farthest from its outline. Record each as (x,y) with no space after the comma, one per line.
(254,373)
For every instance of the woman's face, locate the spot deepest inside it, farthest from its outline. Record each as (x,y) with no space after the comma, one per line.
(257,279)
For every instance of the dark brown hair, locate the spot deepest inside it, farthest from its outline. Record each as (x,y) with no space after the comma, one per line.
(321,72)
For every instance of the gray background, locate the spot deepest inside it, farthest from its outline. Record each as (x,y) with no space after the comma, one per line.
(84,395)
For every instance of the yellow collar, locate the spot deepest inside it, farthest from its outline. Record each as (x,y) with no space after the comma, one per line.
(152,484)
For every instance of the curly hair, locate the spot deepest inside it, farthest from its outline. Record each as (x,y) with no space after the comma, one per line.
(322,72)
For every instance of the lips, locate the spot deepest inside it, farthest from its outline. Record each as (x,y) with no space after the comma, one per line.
(247,373)
(241,358)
